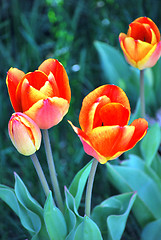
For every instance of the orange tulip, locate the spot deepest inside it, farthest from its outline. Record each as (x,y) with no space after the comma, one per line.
(103,118)
(141,45)
(43,95)
(24,133)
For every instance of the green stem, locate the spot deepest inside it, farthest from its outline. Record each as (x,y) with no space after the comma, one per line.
(89,187)
(40,173)
(52,170)
(142,93)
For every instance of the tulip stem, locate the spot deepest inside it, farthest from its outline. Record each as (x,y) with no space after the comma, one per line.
(52,170)
(90,187)
(40,174)
(142,100)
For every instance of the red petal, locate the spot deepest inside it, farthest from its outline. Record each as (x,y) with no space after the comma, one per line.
(114,114)
(61,77)
(145,20)
(112,92)
(14,76)
(139,32)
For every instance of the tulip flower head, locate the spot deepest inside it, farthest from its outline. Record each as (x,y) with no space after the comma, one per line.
(141,45)
(24,134)
(103,119)
(43,95)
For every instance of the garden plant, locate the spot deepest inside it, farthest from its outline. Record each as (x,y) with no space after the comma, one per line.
(125,143)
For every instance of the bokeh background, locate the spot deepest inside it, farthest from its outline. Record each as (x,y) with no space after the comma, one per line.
(34,30)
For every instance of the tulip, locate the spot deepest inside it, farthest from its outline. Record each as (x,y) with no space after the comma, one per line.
(43,95)
(103,119)
(141,45)
(24,134)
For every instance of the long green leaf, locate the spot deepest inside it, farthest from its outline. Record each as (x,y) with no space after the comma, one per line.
(116,223)
(112,213)
(31,213)
(127,179)
(72,217)
(54,220)
(152,231)
(77,186)
(88,230)
(151,143)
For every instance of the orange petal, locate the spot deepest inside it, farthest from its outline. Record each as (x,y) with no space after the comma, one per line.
(48,112)
(151,58)
(141,126)
(14,76)
(112,92)
(61,77)
(88,148)
(114,114)
(135,49)
(29,95)
(94,117)
(111,140)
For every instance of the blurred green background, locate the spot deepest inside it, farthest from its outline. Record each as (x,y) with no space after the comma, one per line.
(34,30)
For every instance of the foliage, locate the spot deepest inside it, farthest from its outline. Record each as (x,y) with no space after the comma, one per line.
(83,35)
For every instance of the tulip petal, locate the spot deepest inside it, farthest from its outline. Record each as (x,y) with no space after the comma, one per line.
(146,20)
(61,77)
(139,31)
(87,145)
(111,140)
(141,126)
(14,76)
(24,133)
(29,95)
(136,49)
(112,92)
(48,112)
(94,117)
(114,114)
(151,58)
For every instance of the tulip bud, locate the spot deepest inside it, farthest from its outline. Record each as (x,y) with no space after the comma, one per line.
(24,134)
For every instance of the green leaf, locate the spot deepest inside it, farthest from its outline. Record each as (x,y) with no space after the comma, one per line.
(113,63)
(116,223)
(25,198)
(72,217)
(156,165)
(54,220)
(31,213)
(112,213)
(152,231)
(88,230)
(8,196)
(150,143)
(77,186)
(129,179)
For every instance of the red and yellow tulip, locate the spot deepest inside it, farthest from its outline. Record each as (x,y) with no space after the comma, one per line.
(141,45)
(24,133)
(43,95)
(103,119)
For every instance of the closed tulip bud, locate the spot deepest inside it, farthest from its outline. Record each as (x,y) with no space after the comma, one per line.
(24,134)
